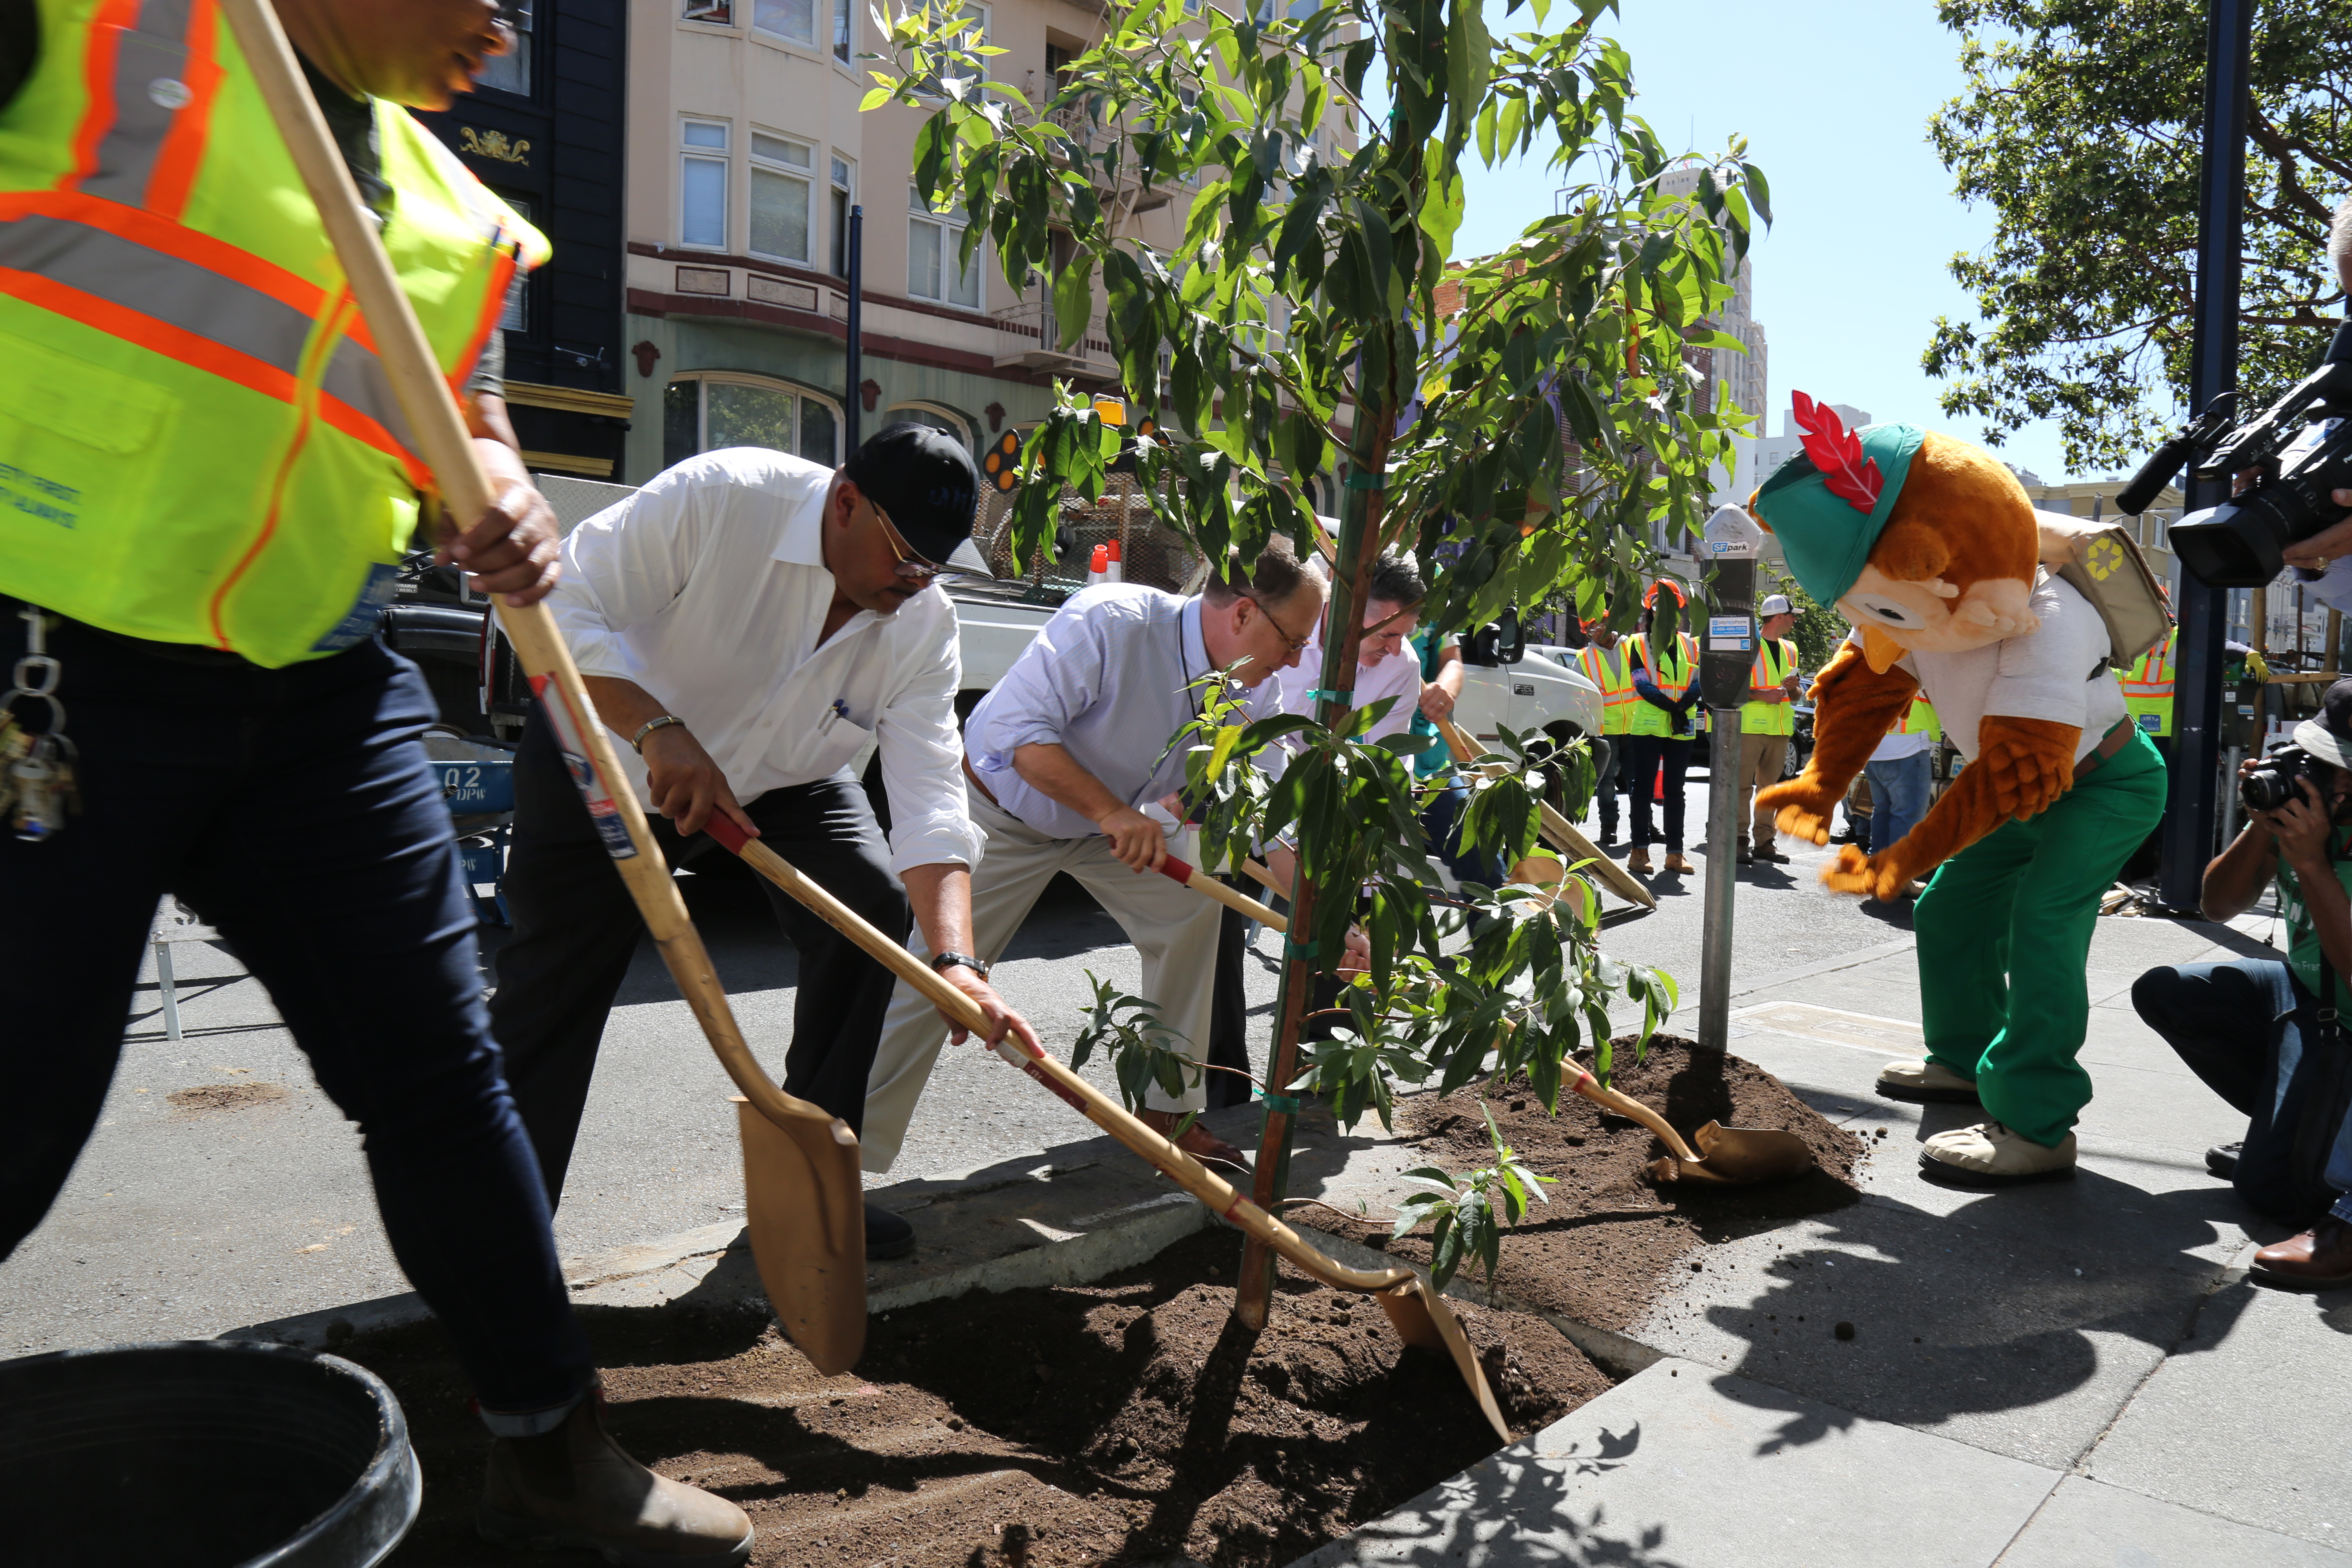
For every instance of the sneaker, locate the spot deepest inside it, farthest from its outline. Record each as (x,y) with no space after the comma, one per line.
(1989,1155)
(1925,1083)
(2222,1159)
(888,1235)
(575,1488)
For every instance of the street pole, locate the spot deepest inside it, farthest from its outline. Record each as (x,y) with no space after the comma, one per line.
(2189,826)
(1732,542)
(851,406)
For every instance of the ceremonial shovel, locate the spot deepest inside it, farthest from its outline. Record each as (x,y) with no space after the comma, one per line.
(1416,1311)
(802,1193)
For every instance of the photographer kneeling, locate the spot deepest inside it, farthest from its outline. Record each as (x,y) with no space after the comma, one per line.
(2254,1030)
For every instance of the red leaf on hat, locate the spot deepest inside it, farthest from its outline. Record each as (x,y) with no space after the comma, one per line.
(1837,453)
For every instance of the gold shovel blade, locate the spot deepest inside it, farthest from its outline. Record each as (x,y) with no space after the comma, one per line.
(1422,1318)
(1736,1156)
(803,1205)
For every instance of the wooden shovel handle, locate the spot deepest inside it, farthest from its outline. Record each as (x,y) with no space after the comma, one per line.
(1626,1105)
(1562,833)
(441,437)
(1089,1101)
(1200,882)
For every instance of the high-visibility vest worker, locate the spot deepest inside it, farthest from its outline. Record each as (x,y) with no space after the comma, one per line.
(1671,671)
(1612,669)
(2148,689)
(197,443)
(1775,662)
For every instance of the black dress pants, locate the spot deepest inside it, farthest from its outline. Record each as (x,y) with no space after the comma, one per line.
(575,928)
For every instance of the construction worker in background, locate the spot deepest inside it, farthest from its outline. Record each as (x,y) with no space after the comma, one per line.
(1607,661)
(2147,691)
(1766,720)
(205,499)
(1659,738)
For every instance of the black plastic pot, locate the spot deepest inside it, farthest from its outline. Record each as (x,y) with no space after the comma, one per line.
(202,1454)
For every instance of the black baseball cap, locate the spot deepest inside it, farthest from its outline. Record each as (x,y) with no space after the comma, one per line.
(925,480)
(2329,736)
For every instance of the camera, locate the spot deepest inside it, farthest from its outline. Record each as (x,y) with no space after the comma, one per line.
(2271,785)
(2238,545)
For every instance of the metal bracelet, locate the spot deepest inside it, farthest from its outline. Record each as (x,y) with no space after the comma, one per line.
(638,743)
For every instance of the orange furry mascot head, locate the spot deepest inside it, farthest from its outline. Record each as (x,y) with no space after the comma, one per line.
(1927,545)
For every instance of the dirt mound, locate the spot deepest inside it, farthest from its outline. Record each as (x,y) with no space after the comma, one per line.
(1132,1419)
(1610,1238)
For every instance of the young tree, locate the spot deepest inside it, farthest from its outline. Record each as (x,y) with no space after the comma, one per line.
(1532,409)
(2080,126)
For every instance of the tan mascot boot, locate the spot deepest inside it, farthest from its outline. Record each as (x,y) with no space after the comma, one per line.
(1925,1082)
(574,1487)
(1989,1155)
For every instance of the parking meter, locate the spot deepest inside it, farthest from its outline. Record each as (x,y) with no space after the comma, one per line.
(1728,548)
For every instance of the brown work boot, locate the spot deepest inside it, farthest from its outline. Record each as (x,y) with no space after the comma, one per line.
(1198,1140)
(2318,1260)
(1638,862)
(574,1487)
(1677,864)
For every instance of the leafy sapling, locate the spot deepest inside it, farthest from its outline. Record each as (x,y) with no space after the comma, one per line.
(1464,1208)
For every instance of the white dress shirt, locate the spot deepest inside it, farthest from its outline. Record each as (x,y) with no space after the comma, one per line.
(1108,680)
(2046,675)
(708,588)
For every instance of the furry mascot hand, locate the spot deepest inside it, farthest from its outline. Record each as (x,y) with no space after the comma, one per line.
(1853,707)
(2025,765)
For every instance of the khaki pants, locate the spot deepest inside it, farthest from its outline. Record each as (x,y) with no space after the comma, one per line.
(1761,759)
(1173,928)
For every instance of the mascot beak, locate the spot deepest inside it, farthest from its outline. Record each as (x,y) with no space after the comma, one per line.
(1883,652)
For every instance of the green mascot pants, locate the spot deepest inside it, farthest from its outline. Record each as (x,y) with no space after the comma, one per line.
(2004,936)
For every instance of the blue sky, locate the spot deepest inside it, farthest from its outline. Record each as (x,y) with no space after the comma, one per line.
(1834,101)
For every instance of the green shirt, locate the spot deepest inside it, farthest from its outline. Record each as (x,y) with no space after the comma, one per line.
(2303,954)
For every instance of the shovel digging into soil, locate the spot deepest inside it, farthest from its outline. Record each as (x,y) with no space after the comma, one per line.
(1418,1314)
(1726,1156)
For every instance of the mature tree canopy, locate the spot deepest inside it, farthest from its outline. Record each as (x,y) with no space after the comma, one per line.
(2080,127)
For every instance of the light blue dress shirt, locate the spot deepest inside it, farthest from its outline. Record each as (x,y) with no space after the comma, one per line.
(1109,679)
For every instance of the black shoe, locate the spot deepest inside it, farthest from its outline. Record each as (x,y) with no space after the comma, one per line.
(1747,856)
(886,1235)
(2222,1159)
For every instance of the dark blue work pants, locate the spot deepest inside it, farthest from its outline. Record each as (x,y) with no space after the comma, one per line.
(293,810)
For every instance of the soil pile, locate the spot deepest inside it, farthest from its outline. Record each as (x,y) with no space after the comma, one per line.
(1610,1239)
(1132,1419)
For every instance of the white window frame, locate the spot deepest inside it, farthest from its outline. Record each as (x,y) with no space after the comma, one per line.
(819,27)
(951,226)
(803,174)
(842,183)
(799,393)
(723,156)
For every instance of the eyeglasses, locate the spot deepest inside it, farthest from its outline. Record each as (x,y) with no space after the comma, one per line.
(913,568)
(1295,645)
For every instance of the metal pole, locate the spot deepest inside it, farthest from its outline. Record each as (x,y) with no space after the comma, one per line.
(854,404)
(1722,880)
(2189,826)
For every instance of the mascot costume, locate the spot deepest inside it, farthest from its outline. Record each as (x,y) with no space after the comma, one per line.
(1932,550)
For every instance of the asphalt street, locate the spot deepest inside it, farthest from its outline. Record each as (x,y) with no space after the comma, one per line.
(223,1188)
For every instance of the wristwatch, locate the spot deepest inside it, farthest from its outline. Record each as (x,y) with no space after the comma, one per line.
(950,959)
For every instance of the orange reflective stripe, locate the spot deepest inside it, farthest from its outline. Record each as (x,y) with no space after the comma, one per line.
(494,305)
(106,32)
(182,152)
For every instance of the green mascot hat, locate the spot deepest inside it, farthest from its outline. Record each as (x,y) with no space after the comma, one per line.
(1829,503)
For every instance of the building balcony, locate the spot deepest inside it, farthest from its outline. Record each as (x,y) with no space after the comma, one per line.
(1029,335)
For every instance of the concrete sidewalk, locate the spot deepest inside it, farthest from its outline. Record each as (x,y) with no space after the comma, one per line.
(2074,1374)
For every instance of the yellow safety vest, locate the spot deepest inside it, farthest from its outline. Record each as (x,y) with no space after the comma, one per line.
(198,442)
(2148,689)
(1920,716)
(1612,669)
(1672,675)
(1774,661)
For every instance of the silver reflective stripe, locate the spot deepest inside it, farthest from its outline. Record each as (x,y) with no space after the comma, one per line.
(156,52)
(357,377)
(180,293)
